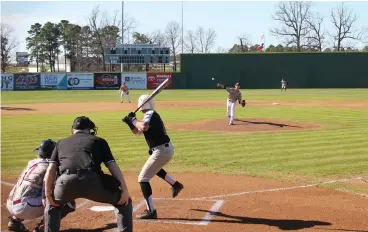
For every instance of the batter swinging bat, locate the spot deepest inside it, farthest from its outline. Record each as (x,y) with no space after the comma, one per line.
(154,93)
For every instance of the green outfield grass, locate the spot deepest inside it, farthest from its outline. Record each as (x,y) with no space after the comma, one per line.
(18,97)
(339,149)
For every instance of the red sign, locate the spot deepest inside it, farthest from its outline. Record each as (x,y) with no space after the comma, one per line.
(155,79)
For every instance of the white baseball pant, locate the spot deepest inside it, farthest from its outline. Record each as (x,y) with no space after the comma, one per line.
(161,155)
(230,110)
(122,94)
(27,208)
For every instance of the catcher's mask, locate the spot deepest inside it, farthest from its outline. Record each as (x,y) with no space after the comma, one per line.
(148,105)
(83,123)
(46,148)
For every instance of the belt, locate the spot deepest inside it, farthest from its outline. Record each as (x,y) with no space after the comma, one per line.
(79,171)
(154,148)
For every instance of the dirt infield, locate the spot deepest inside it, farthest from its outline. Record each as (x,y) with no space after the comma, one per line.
(226,203)
(82,107)
(217,202)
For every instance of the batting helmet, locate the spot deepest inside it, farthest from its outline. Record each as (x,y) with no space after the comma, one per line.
(46,148)
(148,105)
(83,123)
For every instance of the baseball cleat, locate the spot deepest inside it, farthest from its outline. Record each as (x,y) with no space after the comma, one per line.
(147,215)
(176,188)
(231,123)
(121,101)
(16,225)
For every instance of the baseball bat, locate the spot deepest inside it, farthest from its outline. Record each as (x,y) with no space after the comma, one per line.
(154,93)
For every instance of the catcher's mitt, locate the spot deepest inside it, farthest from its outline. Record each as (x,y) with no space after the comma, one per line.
(243,103)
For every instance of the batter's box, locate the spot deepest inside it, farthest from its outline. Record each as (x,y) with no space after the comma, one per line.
(183,210)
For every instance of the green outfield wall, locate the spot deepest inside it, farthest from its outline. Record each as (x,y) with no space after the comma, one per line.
(265,70)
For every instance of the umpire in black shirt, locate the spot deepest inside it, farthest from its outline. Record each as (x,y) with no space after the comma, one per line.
(78,159)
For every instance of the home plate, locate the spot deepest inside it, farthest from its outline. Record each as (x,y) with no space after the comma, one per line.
(102,208)
(275,103)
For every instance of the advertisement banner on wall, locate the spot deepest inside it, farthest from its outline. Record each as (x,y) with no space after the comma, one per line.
(80,81)
(134,80)
(53,81)
(27,81)
(107,80)
(7,81)
(155,79)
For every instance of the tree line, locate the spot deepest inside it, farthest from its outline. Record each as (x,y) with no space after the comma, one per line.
(301,30)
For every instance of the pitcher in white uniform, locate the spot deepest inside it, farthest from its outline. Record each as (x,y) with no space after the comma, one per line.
(234,95)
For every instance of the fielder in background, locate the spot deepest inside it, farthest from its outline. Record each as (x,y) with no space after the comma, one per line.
(124,91)
(234,95)
(283,84)
(27,199)
(160,150)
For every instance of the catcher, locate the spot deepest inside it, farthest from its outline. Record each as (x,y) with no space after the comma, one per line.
(27,199)
(124,90)
(234,95)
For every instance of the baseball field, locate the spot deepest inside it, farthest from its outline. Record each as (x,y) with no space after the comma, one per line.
(295,160)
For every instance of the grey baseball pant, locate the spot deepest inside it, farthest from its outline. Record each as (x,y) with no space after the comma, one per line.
(88,186)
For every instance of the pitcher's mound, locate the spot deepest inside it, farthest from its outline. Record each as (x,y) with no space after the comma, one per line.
(245,125)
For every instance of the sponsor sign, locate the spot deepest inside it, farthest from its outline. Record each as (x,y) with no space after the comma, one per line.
(7,81)
(134,80)
(53,81)
(107,80)
(155,79)
(27,81)
(80,81)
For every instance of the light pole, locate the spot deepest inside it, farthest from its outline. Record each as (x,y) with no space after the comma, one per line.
(182,27)
(122,32)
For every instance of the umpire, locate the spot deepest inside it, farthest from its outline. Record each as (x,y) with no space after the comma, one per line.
(78,158)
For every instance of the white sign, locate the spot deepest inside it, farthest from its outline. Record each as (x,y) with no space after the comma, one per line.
(53,80)
(7,81)
(135,80)
(80,81)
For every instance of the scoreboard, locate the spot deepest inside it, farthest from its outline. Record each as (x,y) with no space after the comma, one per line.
(137,54)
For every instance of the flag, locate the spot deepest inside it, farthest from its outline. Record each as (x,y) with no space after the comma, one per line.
(260,47)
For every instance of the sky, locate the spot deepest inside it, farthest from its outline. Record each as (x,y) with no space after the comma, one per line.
(229,19)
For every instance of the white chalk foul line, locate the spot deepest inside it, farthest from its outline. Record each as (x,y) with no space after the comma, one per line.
(6,183)
(279,189)
(204,221)
(214,209)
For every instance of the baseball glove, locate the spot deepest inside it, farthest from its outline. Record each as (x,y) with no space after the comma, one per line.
(243,103)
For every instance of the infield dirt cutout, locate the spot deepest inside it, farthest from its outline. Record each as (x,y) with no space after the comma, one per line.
(217,202)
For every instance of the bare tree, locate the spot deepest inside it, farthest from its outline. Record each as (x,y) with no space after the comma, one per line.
(222,50)
(244,43)
(105,30)
(294,16)
(129,24)
(343,21)
(206,40)
(158,37)
(190,42)
(8,43)
(316,38)
(173,33)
